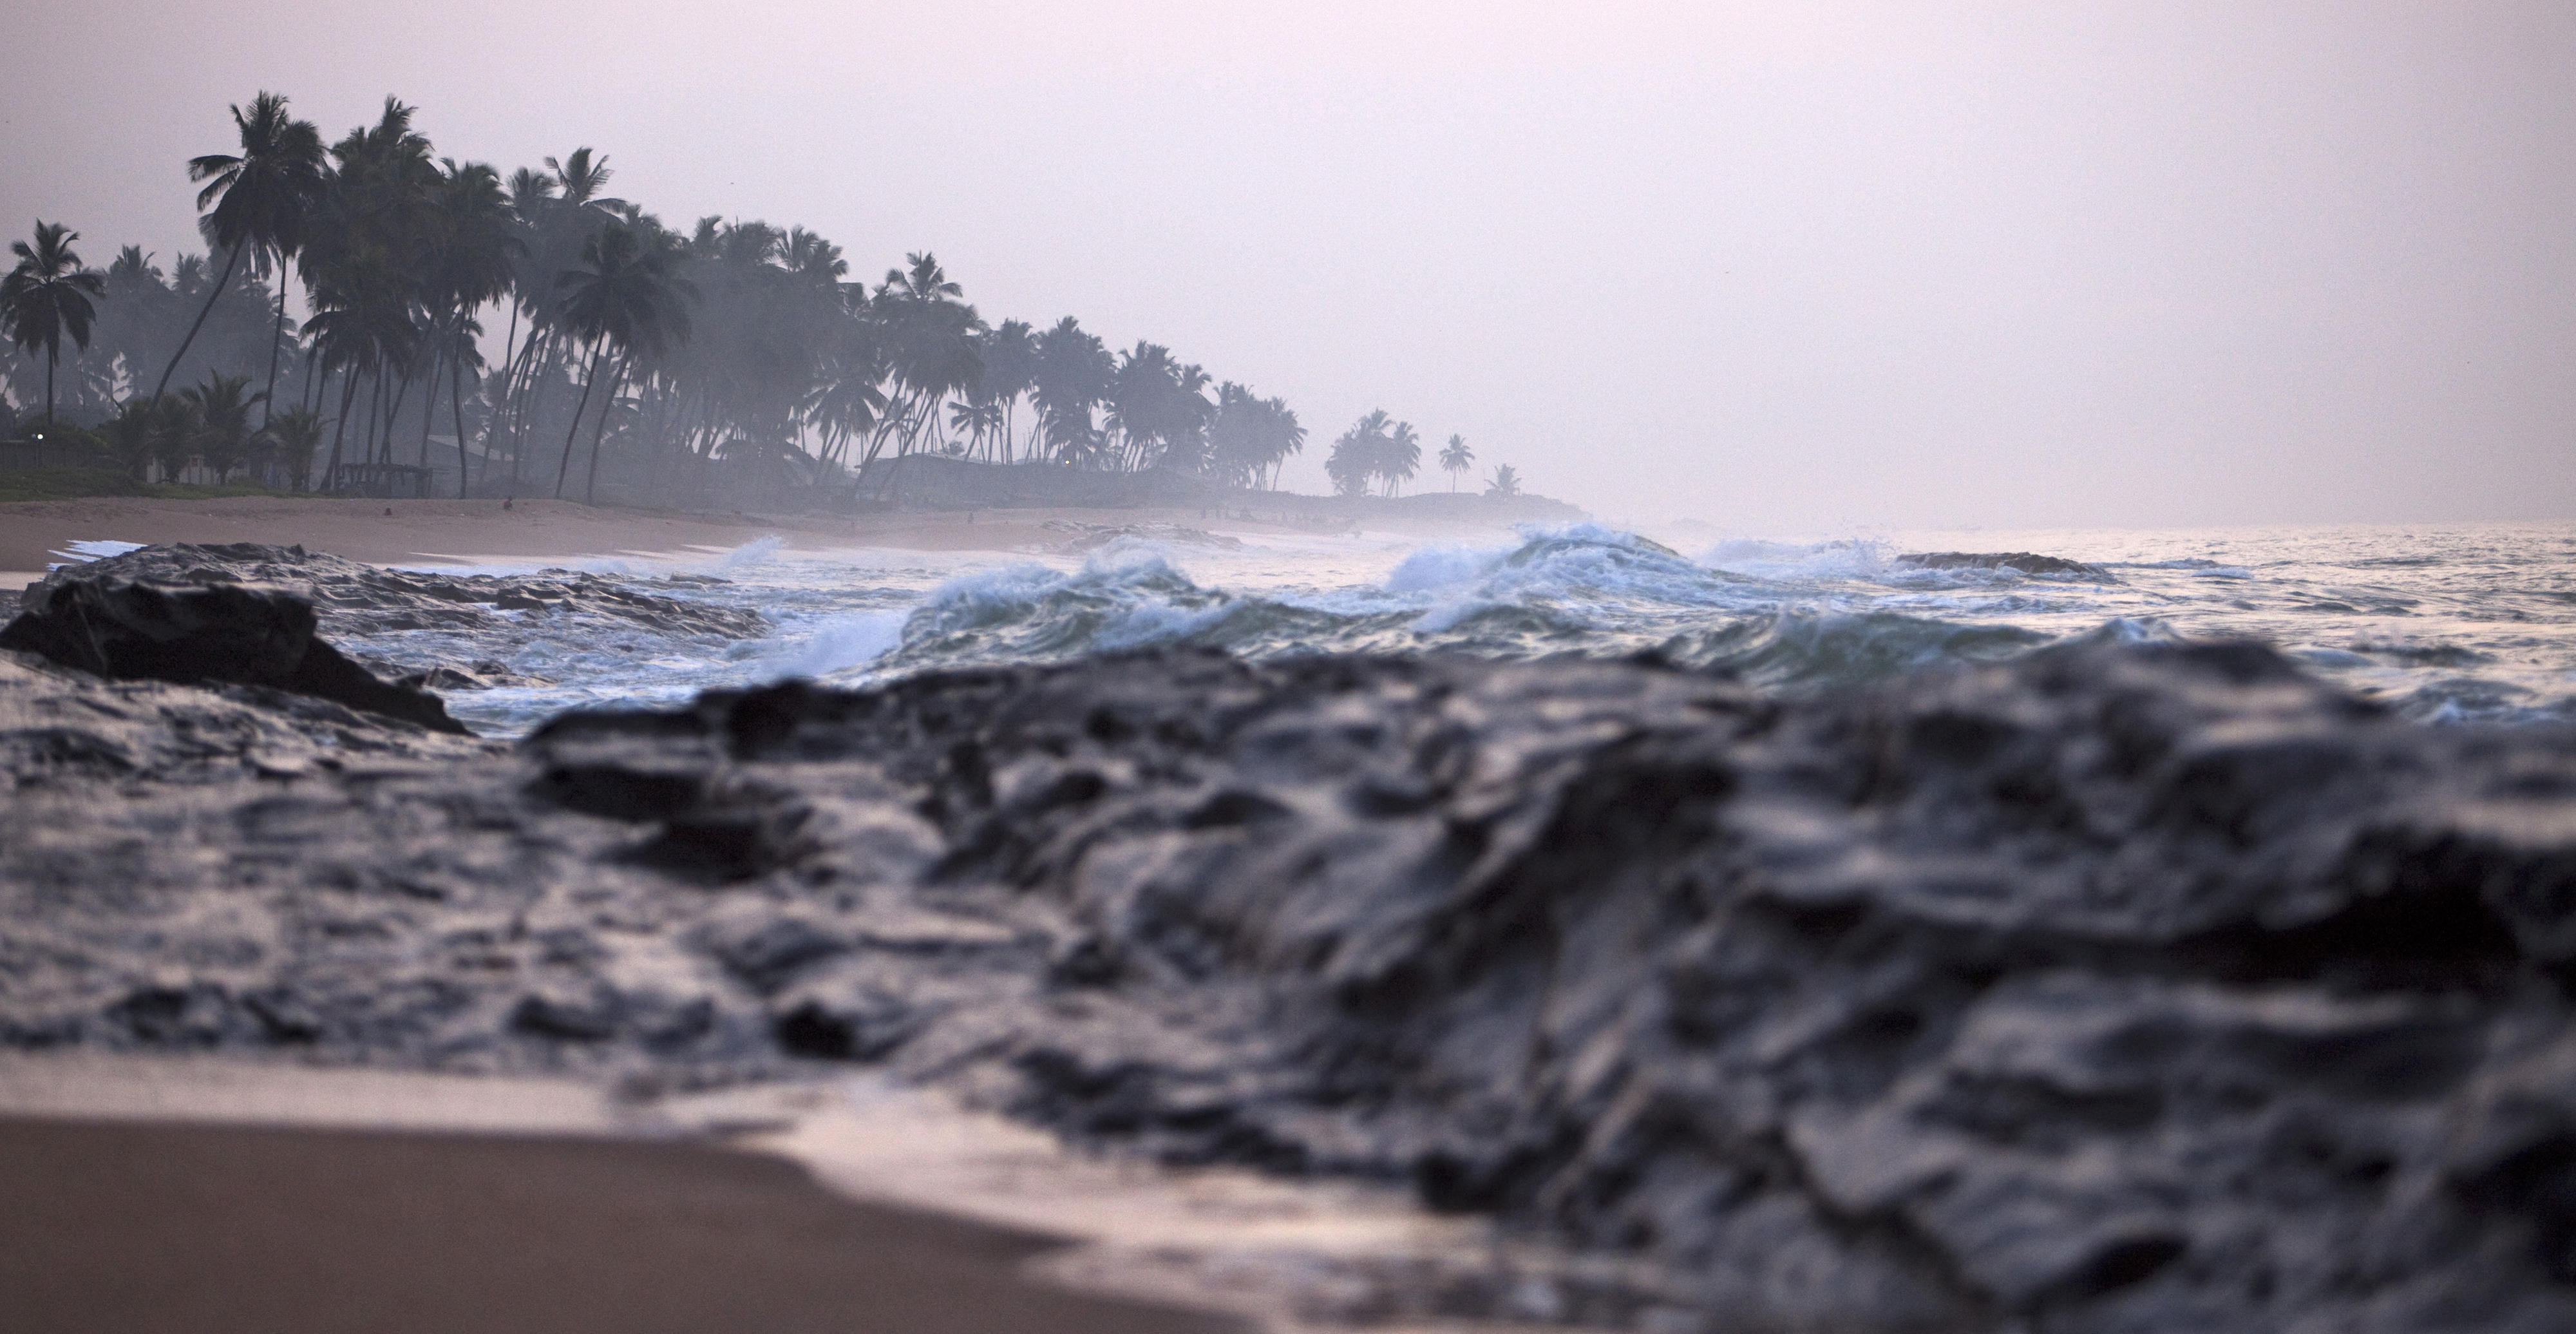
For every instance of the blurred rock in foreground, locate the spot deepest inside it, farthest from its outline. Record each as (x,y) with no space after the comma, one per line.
(2115,988)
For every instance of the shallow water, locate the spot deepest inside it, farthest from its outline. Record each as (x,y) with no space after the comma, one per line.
(2447,623)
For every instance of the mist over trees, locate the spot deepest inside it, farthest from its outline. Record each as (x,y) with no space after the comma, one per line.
(535,334)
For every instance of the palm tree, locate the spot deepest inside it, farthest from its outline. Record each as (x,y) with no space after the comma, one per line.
(1456,459)
(624,295)
(1010,355)
(580,177)
(471,248)
(1506,481)
(1401,456)
(1359,454)
(1073,373)
(129,436)
(221,409)
(170,435)
(295,433)
(47,295)
(265,198)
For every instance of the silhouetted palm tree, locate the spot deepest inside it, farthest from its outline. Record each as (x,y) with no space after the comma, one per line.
(580,177)
(625,297)
(47,296)
(265,198)
(1359,454)
(221,409)
(471,247)
(295,434)
(1401,456)
(1507,482)
(1457,459)
(1073,374)
(129,436)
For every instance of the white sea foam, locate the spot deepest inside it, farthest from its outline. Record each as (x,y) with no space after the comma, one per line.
(839,643)
(2480,604)
(87,550)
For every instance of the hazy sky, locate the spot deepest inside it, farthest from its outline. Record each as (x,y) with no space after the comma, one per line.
(1781,267)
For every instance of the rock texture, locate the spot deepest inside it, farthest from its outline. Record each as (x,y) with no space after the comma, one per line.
(457,622)
(2116,988)
(247,634)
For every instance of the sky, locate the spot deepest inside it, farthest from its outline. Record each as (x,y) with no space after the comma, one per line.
(1784,269)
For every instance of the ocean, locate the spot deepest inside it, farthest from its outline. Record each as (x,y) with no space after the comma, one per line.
(2445,623)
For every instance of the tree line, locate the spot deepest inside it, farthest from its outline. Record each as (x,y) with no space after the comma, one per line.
(728,344)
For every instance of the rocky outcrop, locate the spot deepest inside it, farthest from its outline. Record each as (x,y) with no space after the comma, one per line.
(245,634)
(353,598)
(2114,988)
(2024,561)
(436,631)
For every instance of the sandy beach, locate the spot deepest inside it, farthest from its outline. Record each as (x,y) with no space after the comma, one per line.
(202,1195)
(211,1229)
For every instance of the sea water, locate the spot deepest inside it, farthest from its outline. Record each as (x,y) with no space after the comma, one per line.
(2444,623)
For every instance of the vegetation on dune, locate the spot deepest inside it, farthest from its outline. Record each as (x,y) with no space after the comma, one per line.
(495,332)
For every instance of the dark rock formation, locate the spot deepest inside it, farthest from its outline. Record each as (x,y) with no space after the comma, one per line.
(246,634)
(2114,988)
(2024,561)
(353,597)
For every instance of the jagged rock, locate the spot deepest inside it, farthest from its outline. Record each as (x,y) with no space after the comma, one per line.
(354,598)
(2024,561)
(2115,988)
(246,634)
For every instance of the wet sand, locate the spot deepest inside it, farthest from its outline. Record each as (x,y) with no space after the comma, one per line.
(205,1229)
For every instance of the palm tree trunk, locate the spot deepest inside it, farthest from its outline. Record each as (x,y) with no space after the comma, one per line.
(209,309)
(429,406)
(393,416)
(531,390)
(53,353)
(456,410)
(339,431)
(375,412)
(509,366)
(564,465)
(590,484)
(277,335)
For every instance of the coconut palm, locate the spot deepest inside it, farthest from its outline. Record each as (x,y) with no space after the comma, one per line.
(295,434)
(1457,459)
(1400,457)
(1359,454)
(220,409)
(1010,355)
(1250,436)
(931,345)
(263,198)
(1507,482)
(129,436)
(472,245)
(580,177)
(170,434)
(363,327)
(47,296)
(1072,375)
(625,298)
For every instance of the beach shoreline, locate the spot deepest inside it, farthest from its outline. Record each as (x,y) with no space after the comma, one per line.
(280,1197)
(264,1229)
(450,532)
